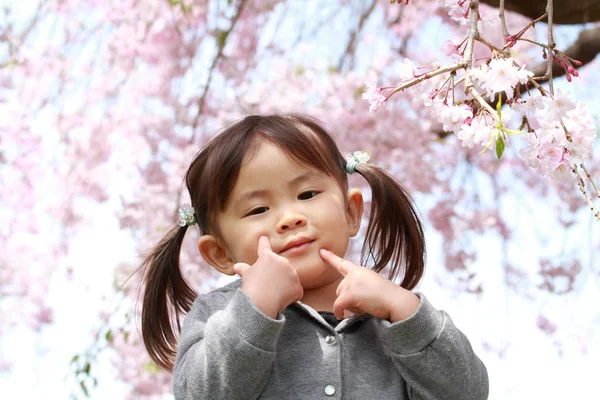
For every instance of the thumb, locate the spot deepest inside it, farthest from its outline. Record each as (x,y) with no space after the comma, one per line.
(240,268)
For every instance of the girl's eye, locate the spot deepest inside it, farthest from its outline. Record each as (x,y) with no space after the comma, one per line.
(257,210)
(307,195)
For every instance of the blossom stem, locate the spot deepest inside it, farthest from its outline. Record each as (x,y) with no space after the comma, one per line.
(522,31)
(447,90)
(534,42)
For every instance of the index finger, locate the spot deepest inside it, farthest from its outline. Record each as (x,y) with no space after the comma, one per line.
(341,265)
(264,245)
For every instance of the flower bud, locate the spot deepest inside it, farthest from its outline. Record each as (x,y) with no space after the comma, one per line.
(576,62)
(569,78)
(572,71)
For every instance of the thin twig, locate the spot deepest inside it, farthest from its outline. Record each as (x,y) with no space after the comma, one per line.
(431,74)
(581,185)
(591,180)
(351,47)
(216,60)
(503,20)
(468,60)
(551,45)
(580,181)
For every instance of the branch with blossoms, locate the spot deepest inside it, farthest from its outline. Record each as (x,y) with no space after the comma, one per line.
(559,131)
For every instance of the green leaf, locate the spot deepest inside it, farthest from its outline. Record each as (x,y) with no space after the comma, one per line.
(108,335)
(359,92)
(499,147)
(221,38)
(75,358)
(84,389)
(151,367)
(87,368)
(512,132)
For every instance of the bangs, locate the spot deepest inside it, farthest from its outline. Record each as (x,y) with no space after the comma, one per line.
(214,172)
(307,143)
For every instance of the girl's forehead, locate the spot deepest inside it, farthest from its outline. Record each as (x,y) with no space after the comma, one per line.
(267,155)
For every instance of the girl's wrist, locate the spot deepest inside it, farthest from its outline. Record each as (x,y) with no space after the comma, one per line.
(264,305)
(403,305)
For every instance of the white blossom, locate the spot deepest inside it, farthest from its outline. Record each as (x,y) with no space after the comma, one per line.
(501,75)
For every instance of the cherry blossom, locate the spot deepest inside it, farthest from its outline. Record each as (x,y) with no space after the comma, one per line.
(374,96)
(500,75)
(477,132)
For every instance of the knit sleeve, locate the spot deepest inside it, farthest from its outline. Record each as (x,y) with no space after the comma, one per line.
(434,357)
(227,354)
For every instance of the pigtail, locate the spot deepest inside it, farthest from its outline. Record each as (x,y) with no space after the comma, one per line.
(394,235)
(166,297)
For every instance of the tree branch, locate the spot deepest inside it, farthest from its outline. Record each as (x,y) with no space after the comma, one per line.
(568,12)
(221,41)
(348,54)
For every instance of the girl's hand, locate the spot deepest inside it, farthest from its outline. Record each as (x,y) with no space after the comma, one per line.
(272,283)
(365,291)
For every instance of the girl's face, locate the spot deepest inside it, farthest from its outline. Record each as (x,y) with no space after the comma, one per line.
(300,210)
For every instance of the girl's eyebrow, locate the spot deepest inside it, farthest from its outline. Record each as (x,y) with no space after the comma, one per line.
(302,177)
(250,195)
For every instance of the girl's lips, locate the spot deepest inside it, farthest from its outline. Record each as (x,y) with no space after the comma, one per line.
(297,248)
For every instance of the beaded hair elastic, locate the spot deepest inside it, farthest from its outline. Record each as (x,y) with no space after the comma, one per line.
(355,158)
(186,215)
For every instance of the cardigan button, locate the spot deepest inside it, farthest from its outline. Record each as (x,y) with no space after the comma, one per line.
(329,390)
(330,339)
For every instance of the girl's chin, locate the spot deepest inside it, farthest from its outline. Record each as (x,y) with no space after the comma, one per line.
(314,278)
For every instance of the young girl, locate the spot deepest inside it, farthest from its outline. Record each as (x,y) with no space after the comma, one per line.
(270,196)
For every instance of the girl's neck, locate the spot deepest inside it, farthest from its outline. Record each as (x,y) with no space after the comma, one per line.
(321,298)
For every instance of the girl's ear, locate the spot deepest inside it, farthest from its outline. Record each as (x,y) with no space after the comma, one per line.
(215,254)
(354,211)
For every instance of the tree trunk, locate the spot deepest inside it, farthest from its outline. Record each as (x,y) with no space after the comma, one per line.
(567,12)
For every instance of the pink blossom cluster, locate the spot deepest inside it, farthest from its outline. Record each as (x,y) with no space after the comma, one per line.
(459,11)
(374,96)
(500,75)
(452,116)
(562,137)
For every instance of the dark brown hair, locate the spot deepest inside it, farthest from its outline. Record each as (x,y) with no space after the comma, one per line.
(394,236)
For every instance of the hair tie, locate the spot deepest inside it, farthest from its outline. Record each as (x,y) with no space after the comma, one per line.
(355,158)
(186,215)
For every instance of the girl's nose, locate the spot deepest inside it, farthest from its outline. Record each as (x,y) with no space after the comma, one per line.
(290,220)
